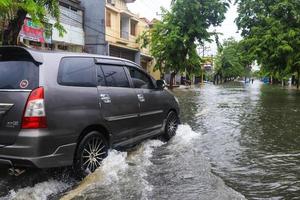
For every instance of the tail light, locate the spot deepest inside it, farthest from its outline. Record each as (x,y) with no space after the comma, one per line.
(34,116)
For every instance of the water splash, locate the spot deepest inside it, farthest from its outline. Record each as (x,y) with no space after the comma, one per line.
(120,172)
(137,174)
(40,191)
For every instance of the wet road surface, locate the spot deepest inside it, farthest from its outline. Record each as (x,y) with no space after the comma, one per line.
(236,141)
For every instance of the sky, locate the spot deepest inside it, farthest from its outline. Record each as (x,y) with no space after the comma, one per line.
(151,9)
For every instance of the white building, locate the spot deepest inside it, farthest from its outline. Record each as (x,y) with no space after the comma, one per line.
(71,18)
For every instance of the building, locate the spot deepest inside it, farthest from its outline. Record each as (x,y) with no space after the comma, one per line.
(122,29)
(47,37)
(71,18)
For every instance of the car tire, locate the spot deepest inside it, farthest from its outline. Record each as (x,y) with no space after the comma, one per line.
(172,122)
(91,151)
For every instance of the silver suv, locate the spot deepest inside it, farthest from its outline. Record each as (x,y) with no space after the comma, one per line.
(61,109)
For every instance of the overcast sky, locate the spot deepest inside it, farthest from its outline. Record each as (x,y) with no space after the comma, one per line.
(151,9)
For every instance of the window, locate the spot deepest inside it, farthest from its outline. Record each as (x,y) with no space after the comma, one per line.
(64,5)
(100,77)
(133,27)
(112,2)
(108,19)
(115,76)
(140,79)
(18,75)
(77,72)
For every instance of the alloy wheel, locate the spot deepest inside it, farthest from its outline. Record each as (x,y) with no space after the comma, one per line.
(172,124)
(93,153)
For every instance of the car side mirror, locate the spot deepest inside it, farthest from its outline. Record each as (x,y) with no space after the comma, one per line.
(161,84)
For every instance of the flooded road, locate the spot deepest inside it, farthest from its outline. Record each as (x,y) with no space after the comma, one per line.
(236,141)
(251,134)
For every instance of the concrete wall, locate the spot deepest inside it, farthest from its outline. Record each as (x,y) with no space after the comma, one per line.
(94,26)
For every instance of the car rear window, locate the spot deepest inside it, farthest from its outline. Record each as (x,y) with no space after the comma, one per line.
(77,72)
(18,75)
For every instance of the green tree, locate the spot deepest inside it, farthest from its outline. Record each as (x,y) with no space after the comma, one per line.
(172,40)
(15,11)
(272,30)
(230,61)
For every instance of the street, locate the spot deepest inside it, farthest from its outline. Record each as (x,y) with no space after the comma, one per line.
(236,141)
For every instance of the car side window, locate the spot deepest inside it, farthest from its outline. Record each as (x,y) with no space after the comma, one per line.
(100,76)
(115,76)
(77,71)
(140,79)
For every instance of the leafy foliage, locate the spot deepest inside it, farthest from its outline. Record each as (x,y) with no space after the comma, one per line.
(172,40)
(272,31)
(231,60)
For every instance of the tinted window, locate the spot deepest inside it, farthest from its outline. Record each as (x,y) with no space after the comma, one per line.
(100,76)
(77,72)
(115,76)
(18,75)
(140,79)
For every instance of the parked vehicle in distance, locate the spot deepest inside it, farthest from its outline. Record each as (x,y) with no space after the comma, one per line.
(62,109)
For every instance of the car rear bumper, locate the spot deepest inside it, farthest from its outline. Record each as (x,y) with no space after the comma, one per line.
(36,148)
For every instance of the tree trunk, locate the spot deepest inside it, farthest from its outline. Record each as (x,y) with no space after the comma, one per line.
(271,80)
(202,77)
(172,78)
(11,33)
(298,78)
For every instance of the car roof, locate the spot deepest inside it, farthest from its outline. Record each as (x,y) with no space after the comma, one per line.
(38,55)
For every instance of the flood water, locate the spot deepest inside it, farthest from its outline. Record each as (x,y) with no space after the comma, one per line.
(237,141)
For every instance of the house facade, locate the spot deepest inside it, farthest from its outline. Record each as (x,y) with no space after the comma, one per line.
(122,31)
(71,18)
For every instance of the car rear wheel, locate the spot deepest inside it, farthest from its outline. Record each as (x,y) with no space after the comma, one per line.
(171,126)
(91,151)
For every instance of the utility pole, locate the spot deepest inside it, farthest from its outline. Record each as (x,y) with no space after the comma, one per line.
(203,49)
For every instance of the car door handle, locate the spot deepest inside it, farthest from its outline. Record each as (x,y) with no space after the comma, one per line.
(141,97)
(105,98)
